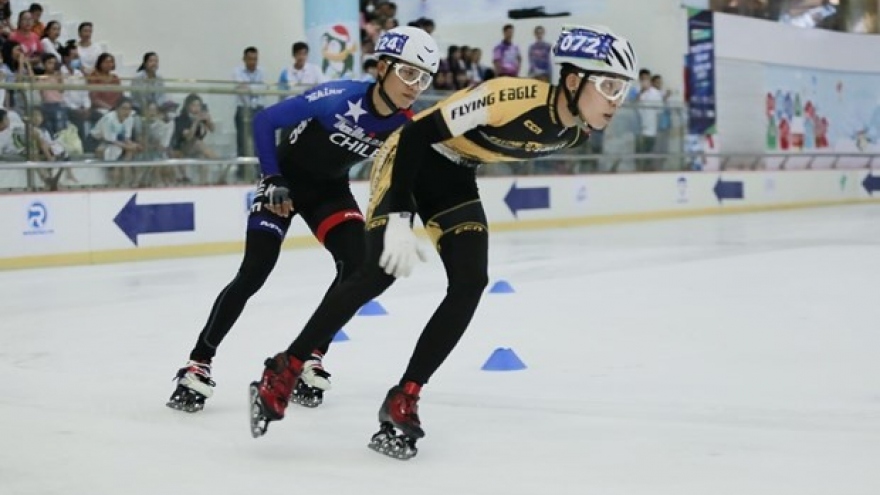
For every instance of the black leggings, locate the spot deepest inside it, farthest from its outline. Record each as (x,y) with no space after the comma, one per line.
(344,241)
(462,239)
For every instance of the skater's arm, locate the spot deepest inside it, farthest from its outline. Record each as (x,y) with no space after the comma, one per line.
(415,142)
(283,114)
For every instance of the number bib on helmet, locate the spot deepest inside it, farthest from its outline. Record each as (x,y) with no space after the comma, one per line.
(585,44)
(391,43)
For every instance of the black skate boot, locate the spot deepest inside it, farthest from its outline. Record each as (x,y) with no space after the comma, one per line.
(269,396)
(312,384)
(399,423)
(194,386)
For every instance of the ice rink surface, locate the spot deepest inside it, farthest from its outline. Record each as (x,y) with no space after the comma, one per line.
(721,355)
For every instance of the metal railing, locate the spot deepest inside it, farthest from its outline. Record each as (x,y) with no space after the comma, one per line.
(225,156)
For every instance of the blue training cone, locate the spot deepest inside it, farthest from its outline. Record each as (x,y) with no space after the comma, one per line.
(372,308)
(501,287)
(503,359)
(340,336)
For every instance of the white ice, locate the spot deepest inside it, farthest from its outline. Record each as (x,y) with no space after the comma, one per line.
(709,356)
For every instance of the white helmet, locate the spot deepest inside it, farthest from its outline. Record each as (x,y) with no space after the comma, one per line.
(596,49)
(411,45)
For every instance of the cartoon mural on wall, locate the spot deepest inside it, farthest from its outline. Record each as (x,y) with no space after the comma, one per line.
(809,110)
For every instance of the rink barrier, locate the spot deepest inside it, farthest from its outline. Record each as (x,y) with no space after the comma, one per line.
(71,228)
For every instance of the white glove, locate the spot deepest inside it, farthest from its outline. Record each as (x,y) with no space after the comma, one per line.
(401,248)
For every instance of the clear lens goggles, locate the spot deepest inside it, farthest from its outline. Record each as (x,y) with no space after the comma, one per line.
(610,87)
(413,75)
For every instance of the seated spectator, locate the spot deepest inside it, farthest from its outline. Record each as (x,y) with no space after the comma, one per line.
(477,71)
(114,135)
(11,125)
(191,128)
(46,149)
(459,68)
(444,79)
(158,129)
(370,69)
(50,42)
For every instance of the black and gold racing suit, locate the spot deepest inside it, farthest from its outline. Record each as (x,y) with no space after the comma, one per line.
(429,167)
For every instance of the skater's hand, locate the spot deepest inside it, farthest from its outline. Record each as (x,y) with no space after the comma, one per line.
(275,192)
(401,250)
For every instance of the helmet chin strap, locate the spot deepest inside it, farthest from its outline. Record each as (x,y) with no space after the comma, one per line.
(571,98)
(384,94)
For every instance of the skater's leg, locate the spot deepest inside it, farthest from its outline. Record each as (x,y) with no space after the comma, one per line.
(342,234)
(260,255)
(462,239)
(262,245)
(342,302)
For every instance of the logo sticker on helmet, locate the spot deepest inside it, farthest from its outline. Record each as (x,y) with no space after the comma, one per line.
(391,43)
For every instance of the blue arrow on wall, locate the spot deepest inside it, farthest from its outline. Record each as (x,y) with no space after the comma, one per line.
(871,183)
(134,219)
(728,190)
(527,198)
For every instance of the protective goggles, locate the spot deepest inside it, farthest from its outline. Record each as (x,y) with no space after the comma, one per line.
(612,88)
(413,75)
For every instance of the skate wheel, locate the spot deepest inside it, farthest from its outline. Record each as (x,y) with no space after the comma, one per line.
(259,422)
(387,442)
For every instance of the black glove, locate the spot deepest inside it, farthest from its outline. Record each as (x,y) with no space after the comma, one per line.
(273,190)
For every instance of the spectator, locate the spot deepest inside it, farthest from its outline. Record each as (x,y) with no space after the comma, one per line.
(539,56)
(444,79)
(88,51)
(191,128)
(478,71)
(29,41)
(371,69)
(149,85)
(664,116)
(36,11)
(104,101)
(5,19)
(7,129)
(46,149)
(77,102)
(17,68)
(506,57)
(649,105)
(458,67)
(158,129)
(50,43)
(114,136)
(54,112)
(249,76)
(301,72)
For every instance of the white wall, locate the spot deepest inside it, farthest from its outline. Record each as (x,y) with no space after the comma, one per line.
(201,39)
(65,228)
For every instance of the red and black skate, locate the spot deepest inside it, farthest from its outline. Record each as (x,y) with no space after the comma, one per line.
(399,422)
(269,396)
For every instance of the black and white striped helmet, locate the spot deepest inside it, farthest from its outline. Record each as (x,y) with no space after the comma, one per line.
(596,49)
